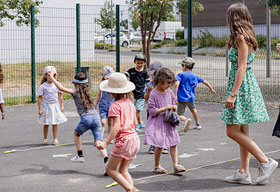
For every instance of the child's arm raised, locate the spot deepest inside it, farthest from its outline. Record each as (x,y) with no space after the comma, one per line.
(114,131)
(209,86)
(147,94)
(58,85)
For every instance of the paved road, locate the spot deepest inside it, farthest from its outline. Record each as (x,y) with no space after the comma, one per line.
(49,168)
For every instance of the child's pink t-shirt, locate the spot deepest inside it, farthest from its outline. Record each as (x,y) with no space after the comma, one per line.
(125,110)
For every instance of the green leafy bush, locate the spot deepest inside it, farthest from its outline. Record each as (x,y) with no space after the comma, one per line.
(155,45)
(261,39)
(206,39)
(100,45)
(179,34)
(181,43)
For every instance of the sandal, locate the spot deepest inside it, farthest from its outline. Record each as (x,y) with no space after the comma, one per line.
(151,150)
(160,170)
(165,151)
(45,142)
(179,168)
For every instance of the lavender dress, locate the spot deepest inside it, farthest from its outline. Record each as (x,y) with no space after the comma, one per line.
(159,133)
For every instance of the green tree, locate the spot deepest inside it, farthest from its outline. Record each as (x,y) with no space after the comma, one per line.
(182,6)
(135,20)
(105,16)
(275,6)
(18,10)
(124,24)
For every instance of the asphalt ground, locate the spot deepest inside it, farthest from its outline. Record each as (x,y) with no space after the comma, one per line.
(207,154)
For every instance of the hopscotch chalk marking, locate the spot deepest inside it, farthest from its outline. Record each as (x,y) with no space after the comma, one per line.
(62,155)
(186,155)
(191,169)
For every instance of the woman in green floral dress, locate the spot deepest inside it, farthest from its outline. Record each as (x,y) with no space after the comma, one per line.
(244,104)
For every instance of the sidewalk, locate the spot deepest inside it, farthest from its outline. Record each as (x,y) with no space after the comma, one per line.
(208,155)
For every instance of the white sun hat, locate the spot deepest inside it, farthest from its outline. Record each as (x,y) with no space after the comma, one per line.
(49,69)
(117,83)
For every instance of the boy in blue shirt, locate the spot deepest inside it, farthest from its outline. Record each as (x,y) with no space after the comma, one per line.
(139,76)
(185,85)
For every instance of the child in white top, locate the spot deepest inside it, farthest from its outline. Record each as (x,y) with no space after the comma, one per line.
(50,111)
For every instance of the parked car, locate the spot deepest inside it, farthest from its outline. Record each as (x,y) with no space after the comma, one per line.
(135,37)
(124,41)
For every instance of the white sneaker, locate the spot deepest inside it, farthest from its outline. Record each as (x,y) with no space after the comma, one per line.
(239,177)
(45,142)
(78,159)
(55,142)
(266,170)
(198,127)
(187,124)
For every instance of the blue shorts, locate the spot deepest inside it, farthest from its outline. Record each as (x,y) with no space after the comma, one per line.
(103,111)
(90,122)
(139,104)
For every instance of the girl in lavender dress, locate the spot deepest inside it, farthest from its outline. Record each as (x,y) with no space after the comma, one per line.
(159,133)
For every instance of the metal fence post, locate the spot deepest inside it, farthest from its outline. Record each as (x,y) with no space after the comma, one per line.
(33,73)
(189,28)
(268,39)
(118,38)
(78,46)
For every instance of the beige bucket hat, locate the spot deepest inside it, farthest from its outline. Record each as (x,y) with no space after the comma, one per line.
(117,83)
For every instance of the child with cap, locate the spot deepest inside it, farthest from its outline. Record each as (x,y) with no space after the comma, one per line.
(185,85)
(154,66)
(127,142)
(51,107)
(139,76)
(89,118)
(104,100)
(1,97)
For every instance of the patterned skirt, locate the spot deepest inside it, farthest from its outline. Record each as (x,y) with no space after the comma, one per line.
(52,115)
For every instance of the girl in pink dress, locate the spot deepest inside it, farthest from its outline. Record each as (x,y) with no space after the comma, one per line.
(127,142)
(159,133)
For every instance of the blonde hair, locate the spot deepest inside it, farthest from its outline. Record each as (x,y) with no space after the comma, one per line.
(240,23)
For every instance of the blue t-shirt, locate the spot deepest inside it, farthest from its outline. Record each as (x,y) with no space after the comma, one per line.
(188,82)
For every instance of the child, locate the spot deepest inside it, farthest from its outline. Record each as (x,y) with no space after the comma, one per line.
(127,142)
(185,85)
(105,100)
(50,111)
(139,76)
(159,133)
(244,102)
(1,97)
(90,119)
(154,66)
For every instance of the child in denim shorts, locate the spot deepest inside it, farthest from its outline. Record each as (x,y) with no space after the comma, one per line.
(90,119)
(104,100)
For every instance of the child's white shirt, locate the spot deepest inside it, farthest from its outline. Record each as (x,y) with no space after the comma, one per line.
(50,92)
(1,97)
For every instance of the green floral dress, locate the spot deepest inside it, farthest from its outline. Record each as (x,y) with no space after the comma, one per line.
(249,105)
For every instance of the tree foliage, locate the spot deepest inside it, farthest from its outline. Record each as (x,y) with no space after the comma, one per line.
(18,10)
(182,6)
(105,16)
(135,20)
(150,14)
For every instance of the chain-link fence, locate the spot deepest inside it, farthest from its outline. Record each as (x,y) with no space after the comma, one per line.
(56,44)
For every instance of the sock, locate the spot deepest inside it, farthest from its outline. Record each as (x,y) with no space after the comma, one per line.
(106,159)
(80,153)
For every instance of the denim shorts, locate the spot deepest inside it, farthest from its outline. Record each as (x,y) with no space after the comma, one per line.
(103,111)
(139,104)
(90,122)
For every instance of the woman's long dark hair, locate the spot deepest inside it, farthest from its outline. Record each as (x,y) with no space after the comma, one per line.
(83,91)
(240,23)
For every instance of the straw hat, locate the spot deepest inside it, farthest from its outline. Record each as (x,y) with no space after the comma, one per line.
(117,83)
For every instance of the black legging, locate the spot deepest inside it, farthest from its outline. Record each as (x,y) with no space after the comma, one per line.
(276,130)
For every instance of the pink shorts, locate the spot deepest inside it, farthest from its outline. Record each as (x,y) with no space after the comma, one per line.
(126,147)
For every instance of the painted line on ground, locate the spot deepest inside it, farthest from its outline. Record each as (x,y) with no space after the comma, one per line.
(43,147)
(187,170)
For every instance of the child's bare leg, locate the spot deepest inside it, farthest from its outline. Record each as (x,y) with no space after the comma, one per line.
(103,151)
(78,142)
(45,131)
(103,123)
(195,116)
(116,175)
(54,129)
(138,116)
(174,155)
(123,169)
(157,156)
(182,118)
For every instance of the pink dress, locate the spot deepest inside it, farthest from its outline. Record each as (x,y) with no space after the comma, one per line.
(159,133)
(127,142)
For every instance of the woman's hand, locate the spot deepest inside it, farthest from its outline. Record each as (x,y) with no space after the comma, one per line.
(230,102)
(101,145)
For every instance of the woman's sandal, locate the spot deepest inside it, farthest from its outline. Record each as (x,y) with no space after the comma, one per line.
(179,168)
(160,170)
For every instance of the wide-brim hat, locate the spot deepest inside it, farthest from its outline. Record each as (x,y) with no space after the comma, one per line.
(117,83)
